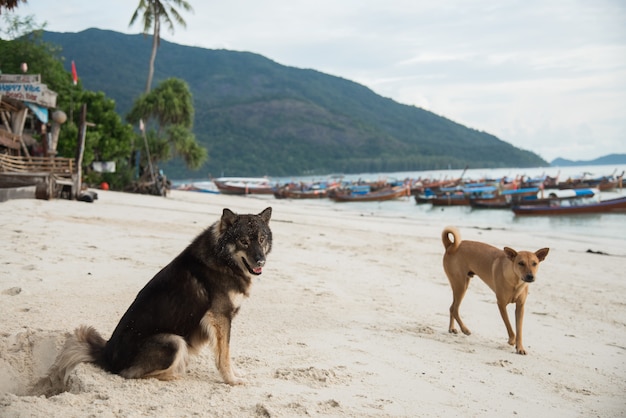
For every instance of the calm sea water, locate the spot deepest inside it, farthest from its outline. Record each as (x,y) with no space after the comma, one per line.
(611,226)
(601,225)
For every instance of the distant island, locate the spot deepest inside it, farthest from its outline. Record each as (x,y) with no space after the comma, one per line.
(611,159)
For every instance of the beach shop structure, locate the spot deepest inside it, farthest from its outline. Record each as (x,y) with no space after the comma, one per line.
(29,164)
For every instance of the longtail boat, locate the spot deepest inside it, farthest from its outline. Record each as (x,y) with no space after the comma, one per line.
(573,207)
(244,185)
(388,193)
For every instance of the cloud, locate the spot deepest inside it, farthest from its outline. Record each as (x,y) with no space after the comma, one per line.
(546,74)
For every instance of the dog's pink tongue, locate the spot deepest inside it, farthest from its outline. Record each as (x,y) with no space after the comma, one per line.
(258,270)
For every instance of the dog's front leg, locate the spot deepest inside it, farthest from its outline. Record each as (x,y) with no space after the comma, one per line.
(507,323)
(519,319)
(220,342)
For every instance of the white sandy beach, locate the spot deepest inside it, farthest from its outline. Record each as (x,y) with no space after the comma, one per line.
(349,318)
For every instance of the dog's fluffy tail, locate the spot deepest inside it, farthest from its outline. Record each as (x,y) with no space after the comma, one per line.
(450,245)
(84,345)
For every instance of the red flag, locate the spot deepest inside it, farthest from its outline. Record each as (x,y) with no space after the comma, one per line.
(74,73)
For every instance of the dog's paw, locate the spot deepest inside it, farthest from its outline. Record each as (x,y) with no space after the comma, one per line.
(521,351)
(236,381)
(233,377)
(453,331)
(238,373)
(512,340)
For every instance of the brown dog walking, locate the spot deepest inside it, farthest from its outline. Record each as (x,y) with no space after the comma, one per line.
(507,272)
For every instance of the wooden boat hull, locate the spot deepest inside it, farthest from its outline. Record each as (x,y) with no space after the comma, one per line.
(530,199)
(243,186)
(464,196)
(377,196)
(605,206)
(450,201)
(423,199)
(493,203)
(602,185)
(299,194)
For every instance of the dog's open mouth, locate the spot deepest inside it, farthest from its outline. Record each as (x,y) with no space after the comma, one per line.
(256,270)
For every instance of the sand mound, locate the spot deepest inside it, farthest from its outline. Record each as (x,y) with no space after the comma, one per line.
(25,357)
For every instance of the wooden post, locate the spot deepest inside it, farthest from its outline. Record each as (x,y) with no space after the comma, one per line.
(19,119)
(80,151)
(10,128)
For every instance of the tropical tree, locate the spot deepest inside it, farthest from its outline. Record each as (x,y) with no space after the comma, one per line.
(9,4)
(168,112)
(153,12)
(110,139)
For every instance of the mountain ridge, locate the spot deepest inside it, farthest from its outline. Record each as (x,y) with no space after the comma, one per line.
(258,117)
(610,159)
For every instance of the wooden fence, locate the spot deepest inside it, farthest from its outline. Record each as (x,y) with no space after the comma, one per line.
(60,166)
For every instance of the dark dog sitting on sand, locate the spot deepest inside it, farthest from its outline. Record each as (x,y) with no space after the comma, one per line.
(190,302)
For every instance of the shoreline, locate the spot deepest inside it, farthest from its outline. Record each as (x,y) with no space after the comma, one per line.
(349,317)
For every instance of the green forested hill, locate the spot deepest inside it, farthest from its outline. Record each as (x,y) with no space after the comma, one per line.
(257,117)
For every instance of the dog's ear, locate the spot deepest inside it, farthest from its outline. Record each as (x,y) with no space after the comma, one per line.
(542,253)
(510,253)
(266,215)
(228,218)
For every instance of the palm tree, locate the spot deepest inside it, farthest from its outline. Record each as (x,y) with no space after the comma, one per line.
(155,11)
(169,109)
(9,4)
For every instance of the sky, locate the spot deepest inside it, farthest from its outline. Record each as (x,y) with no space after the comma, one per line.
(548,76)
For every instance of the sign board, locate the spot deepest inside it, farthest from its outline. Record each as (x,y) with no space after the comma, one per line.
(20,78)
(29,92)
(103,166)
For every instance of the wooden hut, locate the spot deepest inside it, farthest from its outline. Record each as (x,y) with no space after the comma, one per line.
(28,137)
